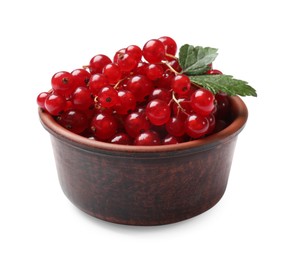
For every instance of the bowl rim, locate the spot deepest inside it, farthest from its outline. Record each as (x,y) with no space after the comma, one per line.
(239,110)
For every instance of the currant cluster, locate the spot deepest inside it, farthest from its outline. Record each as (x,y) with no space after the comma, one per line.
(139,97)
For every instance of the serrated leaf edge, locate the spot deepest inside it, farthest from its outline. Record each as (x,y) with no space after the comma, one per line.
(230,89)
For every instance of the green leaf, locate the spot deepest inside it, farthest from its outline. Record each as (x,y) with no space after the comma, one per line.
(196,60)
(224,83)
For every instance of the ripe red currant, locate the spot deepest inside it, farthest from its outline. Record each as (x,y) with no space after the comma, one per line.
(127,62)
(154,51)
(169,140)
(148,138)
(62,82)
(222,106)
(161,93)
(97,81)
(121,138)
(202,101)
(112,72)
(165,81)
(154,71)
(98,62)
(196,126)
(126,102)
(141,68)
(182,108)
(175,126)
(136,123)
(140,86)
(119,52)
(213,72)
(158,112)
(74,120)
(41,99)
(134,51)
(81,77)
(82,98)
(54,104)
(108,97)
(104,126)
(175,65)
(181,84)
(170,46)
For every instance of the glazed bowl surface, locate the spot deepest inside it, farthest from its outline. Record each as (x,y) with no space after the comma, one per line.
(145,185)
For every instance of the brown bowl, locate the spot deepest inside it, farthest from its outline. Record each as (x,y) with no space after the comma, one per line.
(145,185)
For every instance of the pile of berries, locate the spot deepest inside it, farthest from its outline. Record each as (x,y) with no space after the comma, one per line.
(140,97)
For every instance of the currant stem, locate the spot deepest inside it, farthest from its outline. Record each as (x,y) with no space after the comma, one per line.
(178,104)
(171,56)
(172,69)
(118,83)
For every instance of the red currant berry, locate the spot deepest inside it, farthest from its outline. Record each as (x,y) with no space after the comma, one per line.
(169,140)
(222,106)
(175,65)
(165,81)
(158,112)
(154,71)
(104,126)
(119,53)
(97,81)
(112,72)
(121,138)
(98,62)
(62,82)
(148,138)
(127,62)
(126,103)
(154,51)
(135,124)
(54,104)
(74,120)
(141,110)
(81,77)
(141,68)
(140,86)
(170,46)
(175,126)
(213,72)
(134,51)
(181,84)
(41,99)
(186,106)
(82,99)
(196,126)
(68,105)
(108,97)
(182,108)
(160,93)
(202,101)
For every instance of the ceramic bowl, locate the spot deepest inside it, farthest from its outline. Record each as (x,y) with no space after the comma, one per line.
(145,185)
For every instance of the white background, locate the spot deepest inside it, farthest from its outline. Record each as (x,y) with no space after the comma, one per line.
(39,38)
